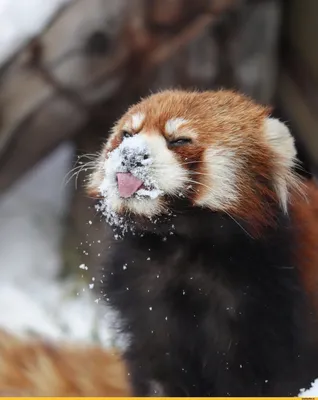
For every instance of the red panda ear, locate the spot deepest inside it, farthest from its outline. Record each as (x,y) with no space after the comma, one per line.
(282,145)
(280,139)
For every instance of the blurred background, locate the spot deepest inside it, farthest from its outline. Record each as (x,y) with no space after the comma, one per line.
(69,68)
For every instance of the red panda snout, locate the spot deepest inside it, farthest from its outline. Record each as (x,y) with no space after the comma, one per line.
(139,174)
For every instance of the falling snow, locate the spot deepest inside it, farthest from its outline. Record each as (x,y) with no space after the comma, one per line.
(31,264)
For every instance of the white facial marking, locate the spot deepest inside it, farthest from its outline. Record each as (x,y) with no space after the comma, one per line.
(160,172)
(220,190)
(137,120)
(282,144)
(167,170)
(172,125)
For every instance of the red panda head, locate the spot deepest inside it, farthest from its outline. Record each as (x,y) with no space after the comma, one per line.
(218,150)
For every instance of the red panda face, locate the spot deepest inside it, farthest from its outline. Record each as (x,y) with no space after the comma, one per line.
(217,150)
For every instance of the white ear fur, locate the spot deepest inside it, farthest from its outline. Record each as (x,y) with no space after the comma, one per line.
(280,139)
(282,144)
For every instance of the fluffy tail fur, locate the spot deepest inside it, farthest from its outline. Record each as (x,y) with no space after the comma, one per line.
(38,368)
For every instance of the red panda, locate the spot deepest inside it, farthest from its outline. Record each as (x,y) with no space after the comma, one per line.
(214,273)
(36,368)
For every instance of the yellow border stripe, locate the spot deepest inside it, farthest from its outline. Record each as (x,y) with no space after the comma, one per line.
(162,398)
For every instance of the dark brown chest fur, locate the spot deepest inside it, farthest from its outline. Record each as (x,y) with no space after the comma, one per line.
(213,313)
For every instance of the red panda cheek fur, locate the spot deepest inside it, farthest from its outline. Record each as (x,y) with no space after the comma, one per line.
(113,142)
(191,159)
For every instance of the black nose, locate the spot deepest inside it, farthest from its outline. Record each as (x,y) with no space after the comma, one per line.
(133,160)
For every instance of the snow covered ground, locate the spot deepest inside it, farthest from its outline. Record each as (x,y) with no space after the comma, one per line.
(32,298)
(20,20)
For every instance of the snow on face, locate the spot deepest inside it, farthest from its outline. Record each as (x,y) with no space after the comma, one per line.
(133,156)
(148,170)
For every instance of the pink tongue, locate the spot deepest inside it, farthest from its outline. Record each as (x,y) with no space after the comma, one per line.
(128,184)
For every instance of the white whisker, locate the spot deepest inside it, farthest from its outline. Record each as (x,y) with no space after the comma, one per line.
(76,171)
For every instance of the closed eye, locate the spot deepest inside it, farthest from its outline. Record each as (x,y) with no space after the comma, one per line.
(179,142)
(126,134)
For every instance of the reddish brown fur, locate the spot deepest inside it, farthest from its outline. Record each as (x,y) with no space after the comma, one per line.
(208,112)
(217,116)
(305,215)
(36,368)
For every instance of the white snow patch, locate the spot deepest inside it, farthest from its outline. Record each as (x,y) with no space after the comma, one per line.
(50,310)
(33,300)
(31,214)
(134,148)
(112,218)
(21,20)
(311,392)
(139,161)
(152,193)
